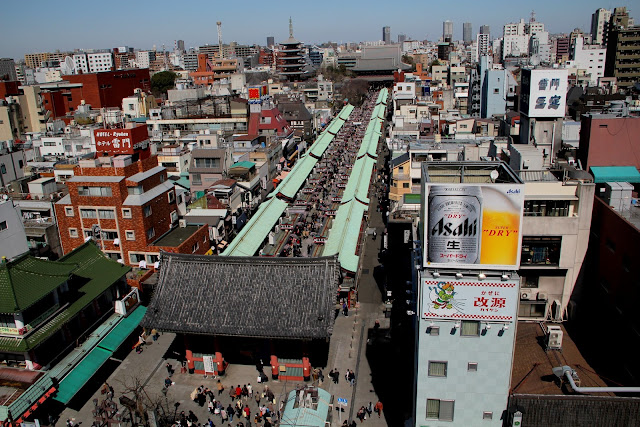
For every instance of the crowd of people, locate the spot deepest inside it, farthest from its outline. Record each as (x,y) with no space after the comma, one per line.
(309,214)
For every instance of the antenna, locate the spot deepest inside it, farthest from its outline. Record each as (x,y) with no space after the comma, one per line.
(290,28)
(533,16)
(219,24)
(164,58)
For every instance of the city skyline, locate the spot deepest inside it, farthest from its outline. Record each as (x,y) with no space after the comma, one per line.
(134,24)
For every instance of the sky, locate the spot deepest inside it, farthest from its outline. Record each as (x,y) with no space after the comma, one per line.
(46,26)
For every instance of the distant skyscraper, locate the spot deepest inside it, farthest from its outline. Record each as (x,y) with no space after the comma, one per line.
(485,29)
(271,41)
(180,44)
(402,38)
(447,30)
(386,35)
(467,32)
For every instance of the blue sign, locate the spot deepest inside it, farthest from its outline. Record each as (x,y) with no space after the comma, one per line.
(342,401)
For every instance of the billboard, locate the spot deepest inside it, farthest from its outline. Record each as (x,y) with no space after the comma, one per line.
(544,92)
(470,299)
(472,226)
(121,141)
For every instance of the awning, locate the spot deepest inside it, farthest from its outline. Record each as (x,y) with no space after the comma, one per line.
(89,365)
(79,376)
(615,174)
(116,337)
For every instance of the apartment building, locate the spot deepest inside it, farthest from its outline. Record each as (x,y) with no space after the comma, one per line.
(128,207)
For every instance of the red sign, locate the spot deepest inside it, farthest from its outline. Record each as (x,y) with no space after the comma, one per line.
(254,93)
(121,141)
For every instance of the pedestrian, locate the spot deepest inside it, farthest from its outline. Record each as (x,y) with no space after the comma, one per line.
(220,387)
(169,369)
(345,309)
(361,414)
(250,389)
(352,378)
(238,392)
(210,407)
(230,412)
(369,409)
(247,412)
(232,393)
(378,408)
(336,377)
(376,327)
(167,382)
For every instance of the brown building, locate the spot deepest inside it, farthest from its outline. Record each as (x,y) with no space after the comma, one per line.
(607,140)
(129,208)
(108,88)
(623,56)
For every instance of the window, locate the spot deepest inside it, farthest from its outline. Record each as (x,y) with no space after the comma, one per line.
(540,250)
(532,309)
(106,214)
(472,367)
(94,191)
(135,258)
(487,415)
(126,213)
(437,369)
(68,210)
(440,409)
(470,328)
(433,330)
(196,179)
(88,213)
(152,258)
(530,281)
(610,245)
(207,163)
(49,143)
(73,232)
(151,232)
(135,190)
(147,211)
(3,225)
(130,234)
(195,247)
(171,195)
(405,185)
(546,208)
(496,90)
(109,235)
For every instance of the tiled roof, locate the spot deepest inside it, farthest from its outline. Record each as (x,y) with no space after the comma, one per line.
(245,296)
(89,263)
(25,281)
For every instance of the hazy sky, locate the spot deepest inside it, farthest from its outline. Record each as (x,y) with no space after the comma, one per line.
(44,26)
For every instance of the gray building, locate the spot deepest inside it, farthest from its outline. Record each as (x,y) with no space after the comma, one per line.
(13,239)
(447,30)
(467,33)
(386,35)
(271,41)
(180,45)
(485,29)
(8,69)
(402,38)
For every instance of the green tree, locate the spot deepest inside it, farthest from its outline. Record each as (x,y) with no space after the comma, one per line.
(163,81)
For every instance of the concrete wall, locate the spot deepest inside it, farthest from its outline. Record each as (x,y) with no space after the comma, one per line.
(13,240)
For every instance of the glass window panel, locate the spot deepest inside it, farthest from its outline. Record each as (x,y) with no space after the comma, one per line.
(470,328)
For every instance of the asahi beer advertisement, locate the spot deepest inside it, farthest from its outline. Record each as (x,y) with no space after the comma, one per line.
(473,226)
(470,300)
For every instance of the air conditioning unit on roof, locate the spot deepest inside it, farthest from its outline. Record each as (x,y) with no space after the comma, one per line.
(527,296)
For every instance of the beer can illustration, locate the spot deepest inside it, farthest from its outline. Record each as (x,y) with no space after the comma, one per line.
(455,224)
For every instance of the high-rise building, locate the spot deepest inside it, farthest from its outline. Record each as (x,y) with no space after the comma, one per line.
(482,45)
(600,25)
(467,32)
(485,29)
(402,38)
(623,45)
(447,30)
(271,41)
(8,69)
(180,45)
(386,35)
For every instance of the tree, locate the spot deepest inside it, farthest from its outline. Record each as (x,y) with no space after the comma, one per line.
(355,90)
(163,81)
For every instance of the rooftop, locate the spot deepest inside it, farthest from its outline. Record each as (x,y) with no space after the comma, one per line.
(175,237)
(300,306)
(531,373)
